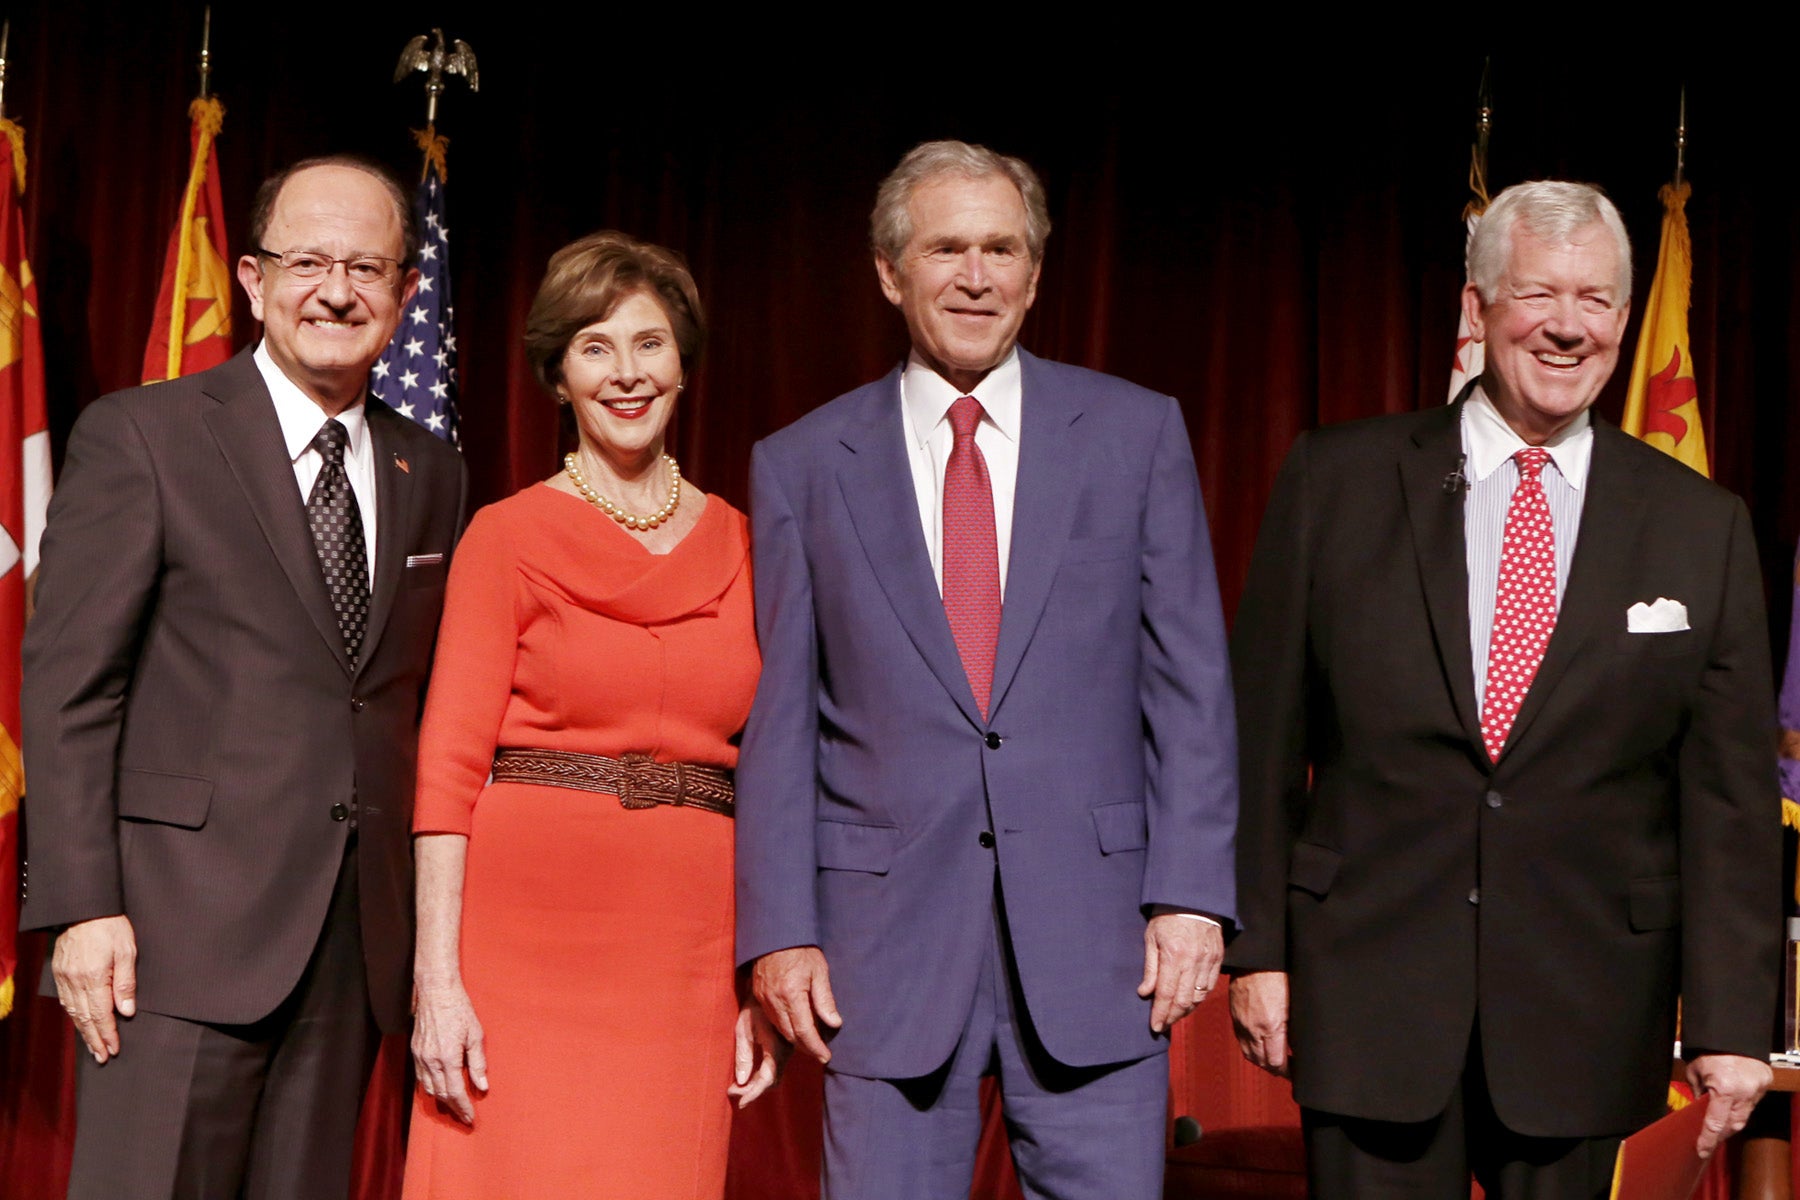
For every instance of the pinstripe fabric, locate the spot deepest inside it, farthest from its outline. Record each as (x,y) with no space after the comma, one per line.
(1484,513)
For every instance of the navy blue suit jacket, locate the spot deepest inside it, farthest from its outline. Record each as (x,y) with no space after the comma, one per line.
(1105,770)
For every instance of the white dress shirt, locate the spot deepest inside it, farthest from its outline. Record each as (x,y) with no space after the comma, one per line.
(1489,444)
(925,400)
(301,419)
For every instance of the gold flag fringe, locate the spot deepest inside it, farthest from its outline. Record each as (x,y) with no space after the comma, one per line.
(435,145)
(15,133)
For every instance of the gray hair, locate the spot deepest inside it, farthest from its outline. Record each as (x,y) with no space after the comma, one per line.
(1550,209)
(890,225)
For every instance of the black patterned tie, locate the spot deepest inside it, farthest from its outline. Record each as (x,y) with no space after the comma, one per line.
(338,537)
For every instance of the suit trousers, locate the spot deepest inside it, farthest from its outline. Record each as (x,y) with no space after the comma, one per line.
(265,1111)
(1350,1158)
(1077,1133)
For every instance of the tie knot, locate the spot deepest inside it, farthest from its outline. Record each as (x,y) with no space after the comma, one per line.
(1531,463)
(965,415)
(330,442)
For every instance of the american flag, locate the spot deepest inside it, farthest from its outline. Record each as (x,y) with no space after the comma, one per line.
(417,371)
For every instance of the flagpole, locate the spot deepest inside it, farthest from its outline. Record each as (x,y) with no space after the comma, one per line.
(1681,138)
(1478,153)
(206,54)
(5,37)
(1470,357)
(437,62)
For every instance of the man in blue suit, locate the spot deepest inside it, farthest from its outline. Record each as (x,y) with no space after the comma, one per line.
(988,791)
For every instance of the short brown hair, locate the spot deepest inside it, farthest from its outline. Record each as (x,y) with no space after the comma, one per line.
(588,278)
(262,209)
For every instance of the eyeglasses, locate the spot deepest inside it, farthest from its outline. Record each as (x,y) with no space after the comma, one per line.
(365,270)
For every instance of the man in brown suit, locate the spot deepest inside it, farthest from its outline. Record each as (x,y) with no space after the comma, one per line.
(241,581)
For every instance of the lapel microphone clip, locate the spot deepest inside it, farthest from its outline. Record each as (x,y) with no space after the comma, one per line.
(1456,481)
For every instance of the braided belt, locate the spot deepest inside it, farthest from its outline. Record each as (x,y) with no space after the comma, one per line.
(636,779)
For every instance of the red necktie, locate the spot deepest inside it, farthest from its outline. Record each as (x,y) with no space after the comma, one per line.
(1524,602)
(971,553)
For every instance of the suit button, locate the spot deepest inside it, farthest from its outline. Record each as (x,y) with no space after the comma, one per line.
(1493,800)
(986,839)
(1474,895)
(993,741)
(339,813)
(356,704)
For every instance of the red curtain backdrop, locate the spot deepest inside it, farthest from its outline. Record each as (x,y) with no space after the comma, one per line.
(1273,236)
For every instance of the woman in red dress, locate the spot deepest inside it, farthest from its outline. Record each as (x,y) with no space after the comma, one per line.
(578,1029)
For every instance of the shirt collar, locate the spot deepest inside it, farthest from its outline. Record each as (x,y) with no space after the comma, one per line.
(928,395)
(301,418)
(1489,441)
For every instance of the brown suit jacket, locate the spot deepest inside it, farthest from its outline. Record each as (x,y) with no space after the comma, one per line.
(1624,849)
(195,738)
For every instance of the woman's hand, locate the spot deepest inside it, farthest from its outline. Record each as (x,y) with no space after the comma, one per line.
(754,1033)
(446,1044)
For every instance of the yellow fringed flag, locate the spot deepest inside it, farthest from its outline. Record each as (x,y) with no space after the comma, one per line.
(191,330)
(1663,405)
(24,494)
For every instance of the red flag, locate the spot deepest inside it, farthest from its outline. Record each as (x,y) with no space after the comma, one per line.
(24,493)
(192,327)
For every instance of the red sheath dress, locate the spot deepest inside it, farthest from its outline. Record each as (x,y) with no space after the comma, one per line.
(596,940)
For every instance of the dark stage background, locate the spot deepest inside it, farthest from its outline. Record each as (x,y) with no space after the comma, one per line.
(1273,236)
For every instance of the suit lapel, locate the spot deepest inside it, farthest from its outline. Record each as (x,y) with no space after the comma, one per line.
(1611,515)
(875,478)
(249,436)
(1440,547)
(1044,501)
(393,518)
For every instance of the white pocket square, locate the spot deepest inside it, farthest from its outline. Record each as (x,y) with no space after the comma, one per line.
(1665,616)
(432,560)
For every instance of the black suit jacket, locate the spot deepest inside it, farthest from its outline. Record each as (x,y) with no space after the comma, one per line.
(194,735)
(1622,851)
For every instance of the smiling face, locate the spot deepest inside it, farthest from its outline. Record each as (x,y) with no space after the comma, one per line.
(966,278)
(622,374)
(326,333)
(1553,328)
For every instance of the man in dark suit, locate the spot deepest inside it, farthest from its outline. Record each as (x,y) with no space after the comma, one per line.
(1504,697)
(988,781)
(240,588)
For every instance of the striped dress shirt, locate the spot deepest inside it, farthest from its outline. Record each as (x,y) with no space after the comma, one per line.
(1489,444)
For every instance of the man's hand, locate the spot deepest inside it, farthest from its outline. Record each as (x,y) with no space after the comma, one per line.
(792,986)
(1181,963)
(1733,1084)
(95,966)
(755,1035)
(447,1041)
(1259,1014)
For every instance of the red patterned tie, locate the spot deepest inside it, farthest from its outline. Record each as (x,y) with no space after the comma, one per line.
(1524,602)
(971,553)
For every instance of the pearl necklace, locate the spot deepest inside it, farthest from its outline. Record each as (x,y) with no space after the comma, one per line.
(629,520)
